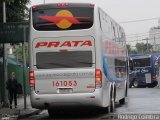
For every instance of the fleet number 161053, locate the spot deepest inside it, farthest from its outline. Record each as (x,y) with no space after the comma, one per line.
(66,83)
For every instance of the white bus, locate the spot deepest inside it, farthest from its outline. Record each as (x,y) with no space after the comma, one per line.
(78,57)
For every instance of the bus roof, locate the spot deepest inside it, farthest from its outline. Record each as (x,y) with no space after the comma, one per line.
(61,5)
(141,56)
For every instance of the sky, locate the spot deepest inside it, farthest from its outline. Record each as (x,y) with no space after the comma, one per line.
(123,11)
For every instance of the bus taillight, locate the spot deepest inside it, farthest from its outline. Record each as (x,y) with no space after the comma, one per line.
(32,80)
(34,7)
(98,78)
(92,5)
(62,4)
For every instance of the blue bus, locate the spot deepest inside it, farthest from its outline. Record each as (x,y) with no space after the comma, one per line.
(144,70)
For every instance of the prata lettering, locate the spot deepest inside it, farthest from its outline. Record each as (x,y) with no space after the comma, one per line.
(64,44)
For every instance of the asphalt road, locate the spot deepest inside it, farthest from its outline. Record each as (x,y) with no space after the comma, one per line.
(142,100)
(139,101)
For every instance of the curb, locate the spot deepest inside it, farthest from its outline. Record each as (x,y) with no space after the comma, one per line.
(29,114)
(9,114)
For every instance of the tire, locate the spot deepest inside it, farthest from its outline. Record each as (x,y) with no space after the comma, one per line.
(122,101)
(107,109)
(126,92)
(153,84)
(51,113)
(135,83)
(111,106)
(130,85)
(112,101)
(56,113)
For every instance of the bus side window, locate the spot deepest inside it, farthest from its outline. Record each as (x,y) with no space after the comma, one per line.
(158,67)
(131,65)
(159,62)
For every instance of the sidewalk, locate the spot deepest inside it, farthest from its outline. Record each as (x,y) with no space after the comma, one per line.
(19,112)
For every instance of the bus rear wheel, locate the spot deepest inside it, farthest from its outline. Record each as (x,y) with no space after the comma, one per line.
(122,101)
(54,113)
(135,83)
(112,101)
(111,106)
(51,113)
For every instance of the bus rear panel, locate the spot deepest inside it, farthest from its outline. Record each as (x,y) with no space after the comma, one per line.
(72,62)
(64,66)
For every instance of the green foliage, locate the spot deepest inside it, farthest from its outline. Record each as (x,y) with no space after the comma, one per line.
(16,10)
(129,48)
(18,52)
(9,1)
(1,50)
(131,51)
(143,47)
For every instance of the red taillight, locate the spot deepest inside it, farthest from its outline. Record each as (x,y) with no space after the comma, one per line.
(34,7)
(32,80)
(98,72)
(98,76)
(31,74)
(62,4)
(92,5)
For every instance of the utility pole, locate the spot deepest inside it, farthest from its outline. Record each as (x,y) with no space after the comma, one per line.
(24,66)
(4,95)
(24,27)
(146,43)
(154,47)
(44,1)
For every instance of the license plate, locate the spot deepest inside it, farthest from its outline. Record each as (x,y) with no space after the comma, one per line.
(64,90)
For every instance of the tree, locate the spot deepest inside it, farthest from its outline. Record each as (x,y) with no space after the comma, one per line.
(140,47)
(129,48)
(148,47)
(16,10)
(18,52)
(131,51)
(9,1)
(143,47)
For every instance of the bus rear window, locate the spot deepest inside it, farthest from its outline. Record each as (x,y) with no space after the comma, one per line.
(57,19)
(69,59)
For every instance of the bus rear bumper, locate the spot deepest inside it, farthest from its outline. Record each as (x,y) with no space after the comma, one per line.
(45,101)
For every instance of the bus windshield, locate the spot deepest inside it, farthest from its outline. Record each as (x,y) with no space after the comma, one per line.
(57,19)
(142,62)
